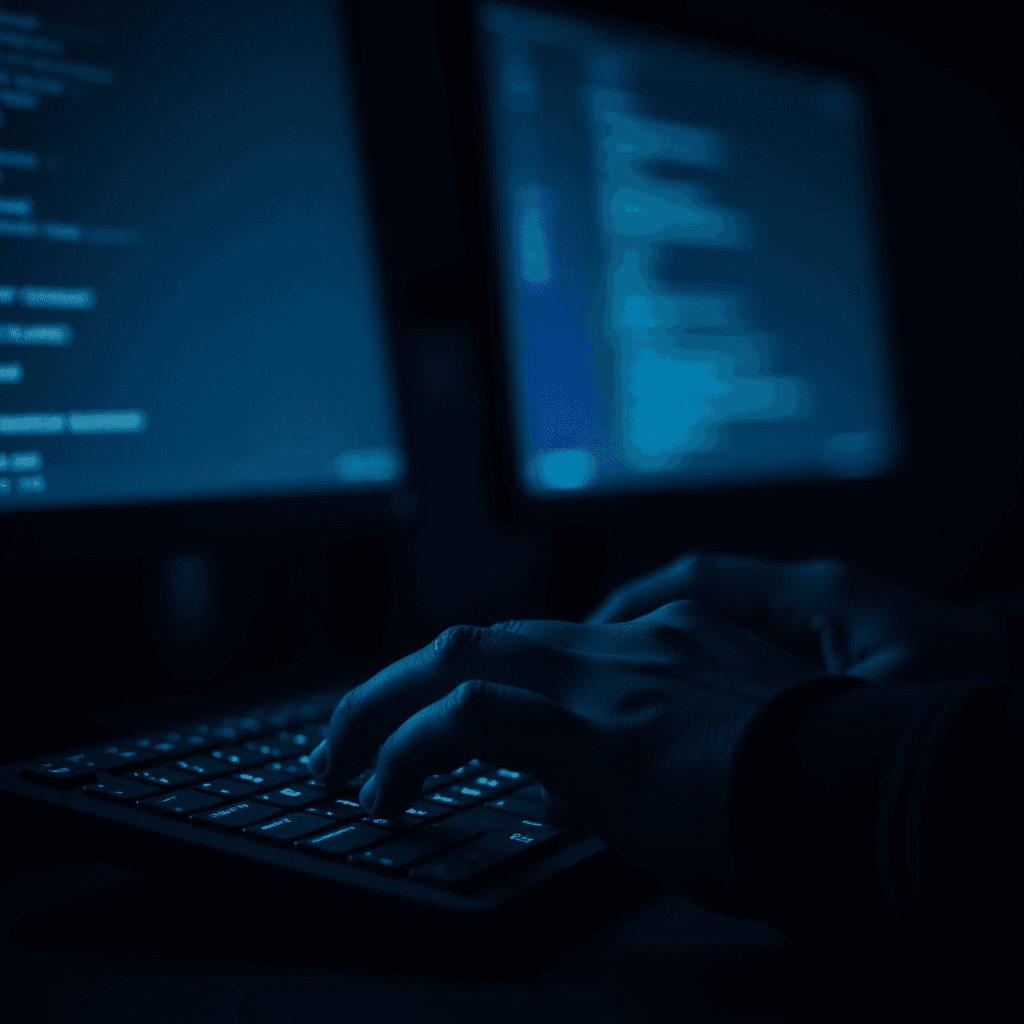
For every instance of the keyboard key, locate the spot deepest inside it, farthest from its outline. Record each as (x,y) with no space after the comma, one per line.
(240,757)
(341,809)
(399,855)
(519,778)
(284,831)
(536,813)
(492,783)
(227,731)
(400,823)
(469,794)
(200,764)
(247,725)
(59,773)
(263,777)
(232,789)
(271,750)
(122,791)
(187,740)
(340,842)
(295,744)
(161,746)
(428,812)
(112,764)
(133,755)
(292,796)
(449,799)
(432,782)
(471,865)
(164,777)
(181,804)
(235,817)
(475,821)
(298,769)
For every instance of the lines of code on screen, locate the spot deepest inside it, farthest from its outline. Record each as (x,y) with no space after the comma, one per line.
(687,262)
(188,300)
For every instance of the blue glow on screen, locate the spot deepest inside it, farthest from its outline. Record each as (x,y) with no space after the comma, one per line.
(687,259)
(189,304)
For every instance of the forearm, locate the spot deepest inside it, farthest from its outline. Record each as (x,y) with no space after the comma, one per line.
(869,808)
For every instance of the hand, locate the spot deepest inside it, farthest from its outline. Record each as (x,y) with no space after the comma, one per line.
(825,612)
(633,727)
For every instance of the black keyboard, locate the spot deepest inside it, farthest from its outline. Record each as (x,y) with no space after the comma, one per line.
(241,784)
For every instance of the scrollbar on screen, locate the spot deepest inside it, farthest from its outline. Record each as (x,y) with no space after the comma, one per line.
(687,260)
(189,304)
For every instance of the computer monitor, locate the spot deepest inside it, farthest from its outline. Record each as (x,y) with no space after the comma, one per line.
(687,262)
(190,307)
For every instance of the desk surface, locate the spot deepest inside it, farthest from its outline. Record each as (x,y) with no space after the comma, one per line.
(667,961)
(644,967)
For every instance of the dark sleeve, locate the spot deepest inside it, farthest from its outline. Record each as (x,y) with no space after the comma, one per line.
(882,812)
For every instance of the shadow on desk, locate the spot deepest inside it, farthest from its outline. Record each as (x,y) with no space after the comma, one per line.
(86,942)
(93,942)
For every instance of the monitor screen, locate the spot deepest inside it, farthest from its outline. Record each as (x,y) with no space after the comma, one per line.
(687,262)
(189,301)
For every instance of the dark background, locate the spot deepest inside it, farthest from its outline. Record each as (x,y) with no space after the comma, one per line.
(306,591)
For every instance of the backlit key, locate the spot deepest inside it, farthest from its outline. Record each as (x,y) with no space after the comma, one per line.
(284,831)
(340,842)
(234,818)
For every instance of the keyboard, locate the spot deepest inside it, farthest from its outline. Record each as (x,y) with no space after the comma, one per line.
(240,784)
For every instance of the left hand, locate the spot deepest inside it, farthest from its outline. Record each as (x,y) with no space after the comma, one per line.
(632,726)
(824,610)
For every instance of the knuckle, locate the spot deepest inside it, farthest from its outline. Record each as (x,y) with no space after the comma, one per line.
(685,612)
(349,705)
(471,699)
(455,641)
(674,621)
(693,566)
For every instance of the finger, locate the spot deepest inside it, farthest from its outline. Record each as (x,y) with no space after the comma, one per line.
(784,599)
(637,597)
(571,636)
(497,724)
(733,585)
(819,610)
(368,714)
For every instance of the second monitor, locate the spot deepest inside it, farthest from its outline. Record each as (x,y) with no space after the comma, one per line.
(687,262)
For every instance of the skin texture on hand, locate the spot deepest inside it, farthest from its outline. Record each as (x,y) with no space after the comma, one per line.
(632,726)
(824,611)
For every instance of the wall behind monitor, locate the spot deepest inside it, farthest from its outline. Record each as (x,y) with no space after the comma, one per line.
(303,594)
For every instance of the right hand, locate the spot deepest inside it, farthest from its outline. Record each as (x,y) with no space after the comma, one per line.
(633,727)
(826,611)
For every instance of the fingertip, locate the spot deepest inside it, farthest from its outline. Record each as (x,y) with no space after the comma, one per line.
(368,795)
(320,762)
